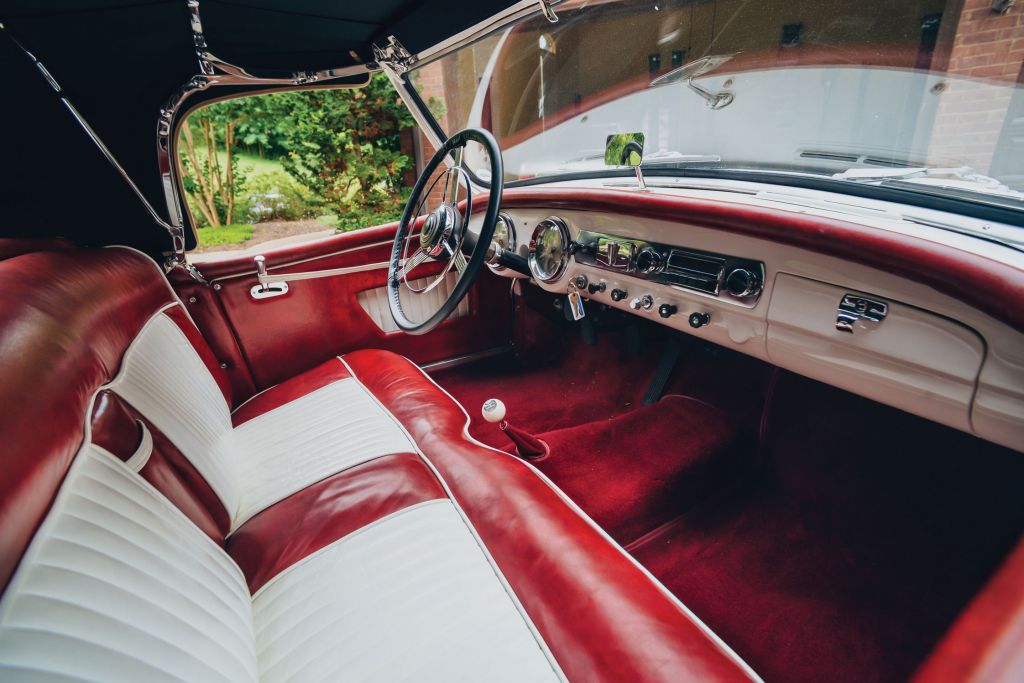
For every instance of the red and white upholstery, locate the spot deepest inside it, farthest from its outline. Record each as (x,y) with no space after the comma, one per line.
(339,525)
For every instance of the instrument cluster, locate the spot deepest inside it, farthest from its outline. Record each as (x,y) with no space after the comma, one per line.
(739,280)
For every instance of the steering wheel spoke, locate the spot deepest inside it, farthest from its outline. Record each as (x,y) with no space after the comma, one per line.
(460,262)
(454,173)
(410,264)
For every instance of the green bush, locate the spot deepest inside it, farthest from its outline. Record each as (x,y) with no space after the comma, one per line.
(295,201)
(388,209)
(234,233)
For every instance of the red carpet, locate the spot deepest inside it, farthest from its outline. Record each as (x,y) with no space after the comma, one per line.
(856,547)
(838,549)
(586,383)
(638,470)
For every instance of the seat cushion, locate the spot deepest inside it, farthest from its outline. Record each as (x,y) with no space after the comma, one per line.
(410,596)
(118,585)
(340,525)
(603,616)
(332,508)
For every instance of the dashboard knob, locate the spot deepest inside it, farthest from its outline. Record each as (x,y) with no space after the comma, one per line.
(742,283)
(698,320)
(667,310)
(595,287)
(645,302)
(618,294)
(648,261)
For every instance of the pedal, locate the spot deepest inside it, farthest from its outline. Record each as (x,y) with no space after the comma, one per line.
(669,358)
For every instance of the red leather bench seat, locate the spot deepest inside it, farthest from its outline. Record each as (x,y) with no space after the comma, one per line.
(340,525)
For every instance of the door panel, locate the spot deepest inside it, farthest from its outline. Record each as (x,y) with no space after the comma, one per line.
(277,338)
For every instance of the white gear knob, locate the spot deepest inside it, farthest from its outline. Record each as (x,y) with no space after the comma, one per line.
(493,410)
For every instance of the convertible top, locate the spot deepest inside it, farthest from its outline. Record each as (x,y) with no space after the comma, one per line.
(119,61)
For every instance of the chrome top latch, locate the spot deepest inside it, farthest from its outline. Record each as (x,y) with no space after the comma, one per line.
(548,8)
(853,308)
(394,54)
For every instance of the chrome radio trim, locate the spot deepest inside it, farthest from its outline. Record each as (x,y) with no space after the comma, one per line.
(671,265)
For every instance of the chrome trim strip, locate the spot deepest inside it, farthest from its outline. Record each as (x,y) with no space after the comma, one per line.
(467,358)
(317,274)
(518,11)
(296,262)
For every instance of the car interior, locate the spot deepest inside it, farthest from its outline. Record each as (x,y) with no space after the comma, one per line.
(572,431)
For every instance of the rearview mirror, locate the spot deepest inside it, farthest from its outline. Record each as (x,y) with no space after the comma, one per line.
(624,149)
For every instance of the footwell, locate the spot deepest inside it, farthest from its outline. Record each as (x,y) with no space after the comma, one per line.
(836,540)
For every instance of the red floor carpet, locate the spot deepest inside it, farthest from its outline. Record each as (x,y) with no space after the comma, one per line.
(839,548)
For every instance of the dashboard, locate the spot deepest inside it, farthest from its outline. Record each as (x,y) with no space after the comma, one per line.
(842,321)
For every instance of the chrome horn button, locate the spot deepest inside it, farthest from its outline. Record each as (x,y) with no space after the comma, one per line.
(438,229)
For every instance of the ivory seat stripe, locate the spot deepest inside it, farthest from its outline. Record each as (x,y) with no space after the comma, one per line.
(268,457)
(118,585)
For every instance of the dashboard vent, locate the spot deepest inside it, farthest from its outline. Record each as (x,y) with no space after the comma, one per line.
(695,270)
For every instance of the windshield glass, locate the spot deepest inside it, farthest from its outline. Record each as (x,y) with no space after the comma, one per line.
(917,94)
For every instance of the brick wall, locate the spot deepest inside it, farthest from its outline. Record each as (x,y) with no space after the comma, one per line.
(431,83)
(988,47)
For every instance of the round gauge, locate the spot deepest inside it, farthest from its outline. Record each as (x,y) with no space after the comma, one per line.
(549,249)
(504,235)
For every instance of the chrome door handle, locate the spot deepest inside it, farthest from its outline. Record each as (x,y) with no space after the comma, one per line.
(853,308)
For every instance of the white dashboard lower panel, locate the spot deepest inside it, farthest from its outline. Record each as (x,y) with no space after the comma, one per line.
(913,360)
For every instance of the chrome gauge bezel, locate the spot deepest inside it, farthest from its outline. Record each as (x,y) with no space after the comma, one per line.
(510,228)
(556,223)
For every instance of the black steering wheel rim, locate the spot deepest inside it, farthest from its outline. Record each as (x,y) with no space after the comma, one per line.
(476,259)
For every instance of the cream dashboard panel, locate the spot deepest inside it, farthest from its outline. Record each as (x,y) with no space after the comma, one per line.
(933,355)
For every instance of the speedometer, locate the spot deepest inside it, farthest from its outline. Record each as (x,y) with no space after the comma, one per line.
(549,249)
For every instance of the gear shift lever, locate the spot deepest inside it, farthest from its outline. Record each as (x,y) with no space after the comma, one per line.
(528,446)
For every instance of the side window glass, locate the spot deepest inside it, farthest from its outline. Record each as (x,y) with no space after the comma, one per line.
(289,166)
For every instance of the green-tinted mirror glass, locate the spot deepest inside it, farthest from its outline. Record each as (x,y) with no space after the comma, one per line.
(624,149)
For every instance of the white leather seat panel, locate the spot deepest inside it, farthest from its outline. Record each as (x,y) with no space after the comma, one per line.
(118,585)
(409,597)
(300,443)
(164,378)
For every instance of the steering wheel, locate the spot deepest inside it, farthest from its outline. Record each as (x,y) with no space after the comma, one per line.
(441,233)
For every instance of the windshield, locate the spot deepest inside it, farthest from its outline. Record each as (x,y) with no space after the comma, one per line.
(918,94)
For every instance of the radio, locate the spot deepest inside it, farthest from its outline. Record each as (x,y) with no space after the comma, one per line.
(715,274)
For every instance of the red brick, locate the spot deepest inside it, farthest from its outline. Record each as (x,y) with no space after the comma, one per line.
(973,37)
(988,71)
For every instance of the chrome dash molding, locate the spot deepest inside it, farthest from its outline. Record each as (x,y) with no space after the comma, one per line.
(467,358)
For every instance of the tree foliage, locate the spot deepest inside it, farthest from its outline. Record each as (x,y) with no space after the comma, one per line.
(343,145)
(213,183)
